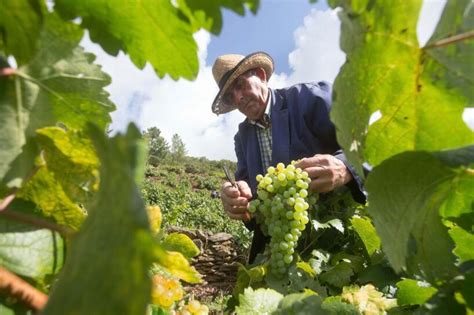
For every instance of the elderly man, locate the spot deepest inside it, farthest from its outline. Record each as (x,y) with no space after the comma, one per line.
(281,125)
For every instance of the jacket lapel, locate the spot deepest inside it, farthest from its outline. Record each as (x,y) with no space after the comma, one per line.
(280,130)
(254,162)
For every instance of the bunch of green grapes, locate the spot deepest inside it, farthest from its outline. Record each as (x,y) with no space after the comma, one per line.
(283,202)
(165,290)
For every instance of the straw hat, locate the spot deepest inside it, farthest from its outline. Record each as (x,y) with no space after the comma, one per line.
(227,68)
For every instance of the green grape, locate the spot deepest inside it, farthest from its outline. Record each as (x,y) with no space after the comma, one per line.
(303,193)
(299,206)
(281,177)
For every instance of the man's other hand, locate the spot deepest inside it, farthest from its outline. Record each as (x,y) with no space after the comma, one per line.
(236,200)
(326,172)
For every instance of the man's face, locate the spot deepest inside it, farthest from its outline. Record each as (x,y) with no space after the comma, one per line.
(249,93)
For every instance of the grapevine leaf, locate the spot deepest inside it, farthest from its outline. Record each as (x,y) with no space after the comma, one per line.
(305,303)
(107,267)
(367,233)
(60,84)
(20,23)
(247,277)
(71,157)
(463,240)
(207,14)
(467,289)
(51,200)
(155,217)
(339,275)
(412,292)
(261,301)
(181,243)
(334,305)
(421,99)
(380,275)
(29,251)
(335,223)
(307,268)
(150,31)
(176,264)
(454,64)
(405,196)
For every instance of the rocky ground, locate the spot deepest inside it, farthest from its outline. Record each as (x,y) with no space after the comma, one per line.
(218,262)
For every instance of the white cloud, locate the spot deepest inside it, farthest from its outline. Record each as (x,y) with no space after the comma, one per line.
(182,107)
(317,55)
(429,16)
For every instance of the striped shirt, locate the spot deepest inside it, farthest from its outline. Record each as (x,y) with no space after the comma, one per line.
(264,136)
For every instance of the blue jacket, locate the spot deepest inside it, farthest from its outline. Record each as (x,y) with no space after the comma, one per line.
(300,128)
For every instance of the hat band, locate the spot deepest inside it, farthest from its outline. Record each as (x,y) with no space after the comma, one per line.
(225,77)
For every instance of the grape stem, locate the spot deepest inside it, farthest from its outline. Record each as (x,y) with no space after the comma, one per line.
(28,219)
(12,285)
(451,40)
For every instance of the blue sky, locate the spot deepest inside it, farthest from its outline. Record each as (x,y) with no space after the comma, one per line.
(302,38)
(270,30)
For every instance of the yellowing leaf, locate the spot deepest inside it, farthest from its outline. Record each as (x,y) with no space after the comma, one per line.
(176,264)
(181,243)
(155,218)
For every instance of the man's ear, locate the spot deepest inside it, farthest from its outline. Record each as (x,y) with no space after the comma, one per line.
(261,74)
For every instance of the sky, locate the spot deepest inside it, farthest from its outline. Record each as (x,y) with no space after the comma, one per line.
(286,29)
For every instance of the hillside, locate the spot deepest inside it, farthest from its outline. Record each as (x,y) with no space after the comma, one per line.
(182,188)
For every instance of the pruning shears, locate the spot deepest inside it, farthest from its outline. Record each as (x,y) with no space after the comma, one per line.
(229,177)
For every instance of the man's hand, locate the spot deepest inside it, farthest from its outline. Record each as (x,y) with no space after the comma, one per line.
(326,172)
(236,200)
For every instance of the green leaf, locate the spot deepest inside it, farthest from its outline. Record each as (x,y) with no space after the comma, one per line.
(334,223)
(59,85)
(67,179)
(20,23)
(306,267)
(106,271)
(248,277)
(305,303)
(261,301)
(453,63)
(51,201)
(412,292)
(207,14)
(467,289)
(334,305)
(71,157)
(405,195)
(367,233)
(29,251)
(150,31)
(421,99)
(463,240)
(380,275)
(339,275)
(181,243)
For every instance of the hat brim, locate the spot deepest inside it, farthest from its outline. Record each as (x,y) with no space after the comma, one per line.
(252,61)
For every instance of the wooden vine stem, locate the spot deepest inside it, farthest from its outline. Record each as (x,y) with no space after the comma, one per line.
(14,286)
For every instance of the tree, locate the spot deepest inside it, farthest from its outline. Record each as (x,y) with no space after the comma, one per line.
(158,147)
(178,148)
